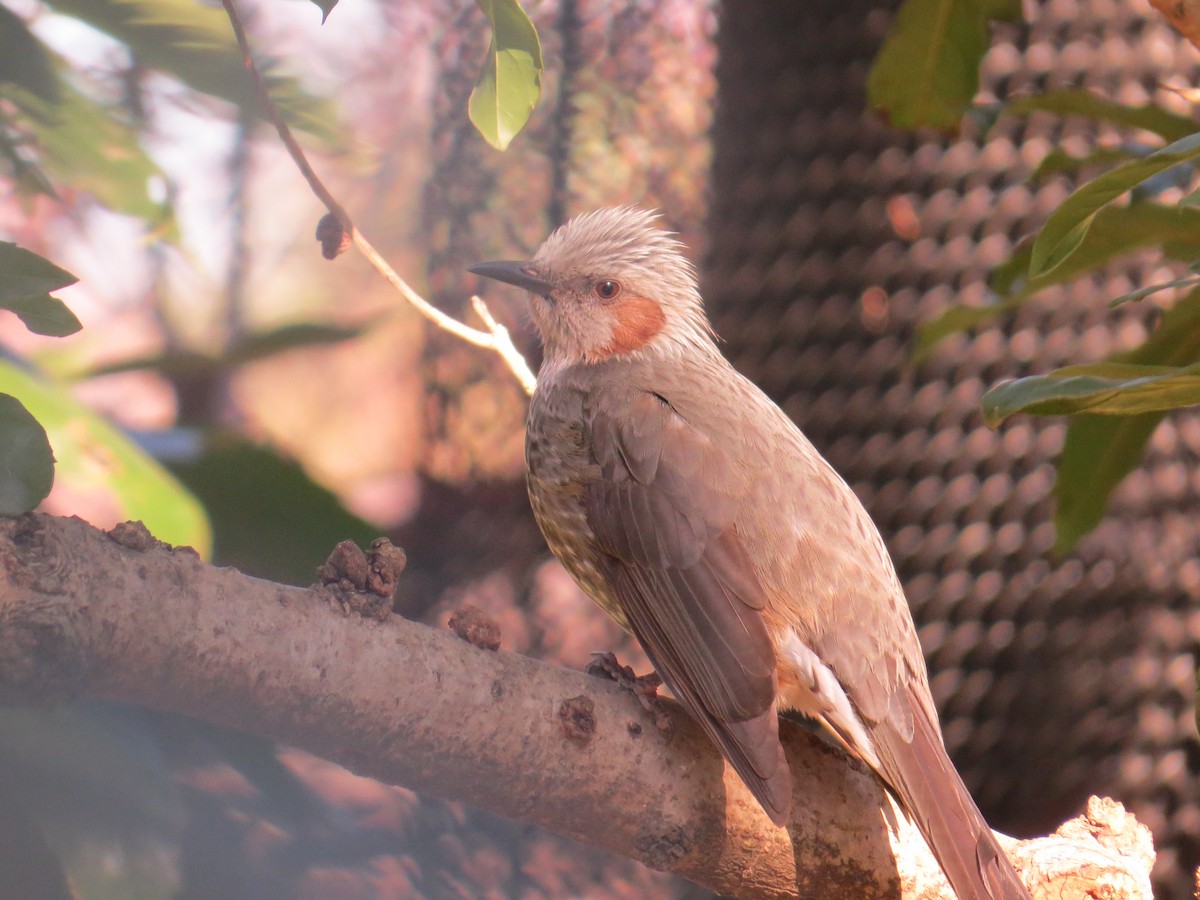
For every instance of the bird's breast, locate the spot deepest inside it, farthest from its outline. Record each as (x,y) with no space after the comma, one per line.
(559,467)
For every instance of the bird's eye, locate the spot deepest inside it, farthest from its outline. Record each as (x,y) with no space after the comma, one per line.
(606,290)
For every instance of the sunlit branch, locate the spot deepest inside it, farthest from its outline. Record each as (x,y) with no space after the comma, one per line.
(495,338)
(117,615)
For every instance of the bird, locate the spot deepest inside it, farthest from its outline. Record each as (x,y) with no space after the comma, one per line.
(692,509)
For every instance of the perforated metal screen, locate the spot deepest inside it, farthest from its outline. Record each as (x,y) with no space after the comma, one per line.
(831,238)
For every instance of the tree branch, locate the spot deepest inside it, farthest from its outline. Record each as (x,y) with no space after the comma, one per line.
(496,338)
(121,616)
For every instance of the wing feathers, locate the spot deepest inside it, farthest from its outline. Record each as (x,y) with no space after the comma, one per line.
(661,513)
(751,744)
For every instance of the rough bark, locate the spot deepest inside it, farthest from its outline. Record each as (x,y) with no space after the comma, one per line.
(120,616)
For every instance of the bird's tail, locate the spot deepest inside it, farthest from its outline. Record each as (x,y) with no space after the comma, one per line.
(933,794)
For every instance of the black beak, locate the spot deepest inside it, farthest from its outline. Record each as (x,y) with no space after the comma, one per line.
(514,271)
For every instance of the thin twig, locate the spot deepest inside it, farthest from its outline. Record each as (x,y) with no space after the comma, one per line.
(496,338)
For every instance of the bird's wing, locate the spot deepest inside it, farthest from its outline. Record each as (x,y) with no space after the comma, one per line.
(661,507)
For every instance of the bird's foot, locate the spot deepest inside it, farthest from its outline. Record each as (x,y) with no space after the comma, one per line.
(644,687)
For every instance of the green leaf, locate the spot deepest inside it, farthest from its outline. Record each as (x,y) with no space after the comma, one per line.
(194,43)
(25,61)
(511,80)
(26,460)
(1059,161)
(1150,117)
(270,519)
(1109,388)
(1064,230)
(25,282)
(1144,292)
(1099,451)
(96,458)
(43,314)
(87,146)
(1115,231)
(927,71)
(178,363)
(23,273)
(254,347)
(954,320)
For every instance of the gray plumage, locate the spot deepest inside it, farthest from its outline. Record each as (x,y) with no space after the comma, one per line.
(693,510)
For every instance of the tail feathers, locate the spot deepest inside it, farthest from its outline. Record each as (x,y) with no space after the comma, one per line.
(933,794)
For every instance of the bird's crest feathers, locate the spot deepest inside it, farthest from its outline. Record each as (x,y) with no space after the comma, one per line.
(657,282)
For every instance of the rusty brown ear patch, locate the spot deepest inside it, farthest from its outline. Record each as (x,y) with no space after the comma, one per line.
(638,319)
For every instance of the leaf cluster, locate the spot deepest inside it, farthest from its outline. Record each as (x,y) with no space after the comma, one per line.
(1114,404)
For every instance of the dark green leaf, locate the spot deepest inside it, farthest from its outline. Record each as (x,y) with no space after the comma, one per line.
(1067,225)
(269,518)
(173,365)
(25,282)
(194,43)
(1099,451)
(176,363)
(1109,388)
(26,460)
(23,273)
(1002,11)
(510,82)
(94,457)
(927,71)
(1150,117)
(43,314)
(288,337)
(25,61)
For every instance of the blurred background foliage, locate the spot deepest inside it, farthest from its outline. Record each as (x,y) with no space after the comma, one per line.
(238,394)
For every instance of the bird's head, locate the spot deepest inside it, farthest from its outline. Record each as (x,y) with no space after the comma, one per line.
(608,283)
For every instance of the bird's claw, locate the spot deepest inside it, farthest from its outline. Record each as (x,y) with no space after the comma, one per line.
(644,687)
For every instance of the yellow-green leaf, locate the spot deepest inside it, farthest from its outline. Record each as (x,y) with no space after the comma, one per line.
(26,460)
(927,71)
(1106,388)
(1064,231)
(81,143)
(193,42)
(510,82)
(96,458)
(1115,231)
(1100,451)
